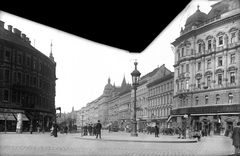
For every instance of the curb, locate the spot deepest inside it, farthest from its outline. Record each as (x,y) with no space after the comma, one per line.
(143,141)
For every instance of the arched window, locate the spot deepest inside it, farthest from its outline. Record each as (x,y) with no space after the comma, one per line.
(230,98)
(217,98)
(206,99)
(197,100)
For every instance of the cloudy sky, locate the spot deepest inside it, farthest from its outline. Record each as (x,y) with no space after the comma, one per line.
(83,66)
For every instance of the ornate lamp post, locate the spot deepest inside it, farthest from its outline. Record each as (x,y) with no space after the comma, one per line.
(135,82)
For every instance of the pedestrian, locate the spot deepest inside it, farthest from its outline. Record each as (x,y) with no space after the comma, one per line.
(179,132)
(94,129)
(98,129)
(65,129)
(85,130)
(109,128)
(156,130)
(236,138)
(55,129)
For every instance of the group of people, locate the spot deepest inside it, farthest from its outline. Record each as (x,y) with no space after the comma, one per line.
(93,130)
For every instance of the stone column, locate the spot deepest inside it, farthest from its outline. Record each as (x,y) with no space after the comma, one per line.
(19,123)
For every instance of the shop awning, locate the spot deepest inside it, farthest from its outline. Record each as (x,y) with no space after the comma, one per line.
(7,116)
(24,117)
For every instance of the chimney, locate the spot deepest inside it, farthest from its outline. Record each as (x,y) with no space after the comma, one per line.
(17,32)
(10,28)
(28,41)
(24,36)
(2,24)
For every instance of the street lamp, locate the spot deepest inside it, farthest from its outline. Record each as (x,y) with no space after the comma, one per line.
(135,82)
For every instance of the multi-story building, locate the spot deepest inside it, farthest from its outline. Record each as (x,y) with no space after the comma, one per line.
(27,82)
(124,113)
(142,111)
(160,93)
(207,77)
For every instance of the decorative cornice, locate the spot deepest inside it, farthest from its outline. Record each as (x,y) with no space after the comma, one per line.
(232,68)
(219,71)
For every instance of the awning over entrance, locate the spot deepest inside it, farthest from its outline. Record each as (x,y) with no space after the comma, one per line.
(7,116)
(24,117)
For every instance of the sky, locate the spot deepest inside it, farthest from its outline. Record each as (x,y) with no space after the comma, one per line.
(82,77)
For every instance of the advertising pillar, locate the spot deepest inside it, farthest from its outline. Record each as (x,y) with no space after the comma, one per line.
(19,122)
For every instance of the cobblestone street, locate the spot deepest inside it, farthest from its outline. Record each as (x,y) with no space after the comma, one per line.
(38,144)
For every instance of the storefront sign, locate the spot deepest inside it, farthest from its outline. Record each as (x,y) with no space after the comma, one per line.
(209,109)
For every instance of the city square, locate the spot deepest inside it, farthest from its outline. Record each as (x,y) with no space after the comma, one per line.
(111,144)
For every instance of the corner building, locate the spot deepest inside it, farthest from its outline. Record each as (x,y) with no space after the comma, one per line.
(27,83)
(206,71)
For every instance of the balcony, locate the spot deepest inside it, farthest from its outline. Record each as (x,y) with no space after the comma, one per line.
(231,84)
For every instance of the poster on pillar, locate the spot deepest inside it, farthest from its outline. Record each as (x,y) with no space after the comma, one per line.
(19,122)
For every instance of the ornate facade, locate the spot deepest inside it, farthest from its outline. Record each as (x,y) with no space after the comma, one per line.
(27,82)
(206,74)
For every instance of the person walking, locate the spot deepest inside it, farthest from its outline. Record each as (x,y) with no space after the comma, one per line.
(94,129)
(179,132)
(109,128)
(55,129)
(98,129)
(156,130)
(65,129)
(236,138)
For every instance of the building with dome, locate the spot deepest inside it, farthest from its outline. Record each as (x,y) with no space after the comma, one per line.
(27,83)
(206,71)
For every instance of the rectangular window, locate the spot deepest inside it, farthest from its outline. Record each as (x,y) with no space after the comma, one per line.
(208,81)
(34,64)
(182,51)
(19,59)
(220,63)
(187,68)
(35,81)
(199,48)
(7,56)
(7,76)
(209,44)
(182,68)
(199,66)
(232,59)
(220,40)
(28,61)
(19,77)
(233,38)
(5,96)
(187,84)
(27,79)
(209,63)
(14,96)
(18,97)
(219,79)
(232,77)
(199,83)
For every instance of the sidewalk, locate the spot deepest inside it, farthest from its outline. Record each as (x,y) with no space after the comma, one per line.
(147,138)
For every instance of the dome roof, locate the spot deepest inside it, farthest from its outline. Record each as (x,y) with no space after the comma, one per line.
(197,16)
(108,88)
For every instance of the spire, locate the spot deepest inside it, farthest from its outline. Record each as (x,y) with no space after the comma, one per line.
(109,80)
(51,55)
(198,7)
(123,83)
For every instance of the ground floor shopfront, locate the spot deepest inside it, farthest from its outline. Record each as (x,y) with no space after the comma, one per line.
(212,120)
(13,120)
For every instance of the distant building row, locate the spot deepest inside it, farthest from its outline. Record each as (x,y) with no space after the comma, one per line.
(203,92)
